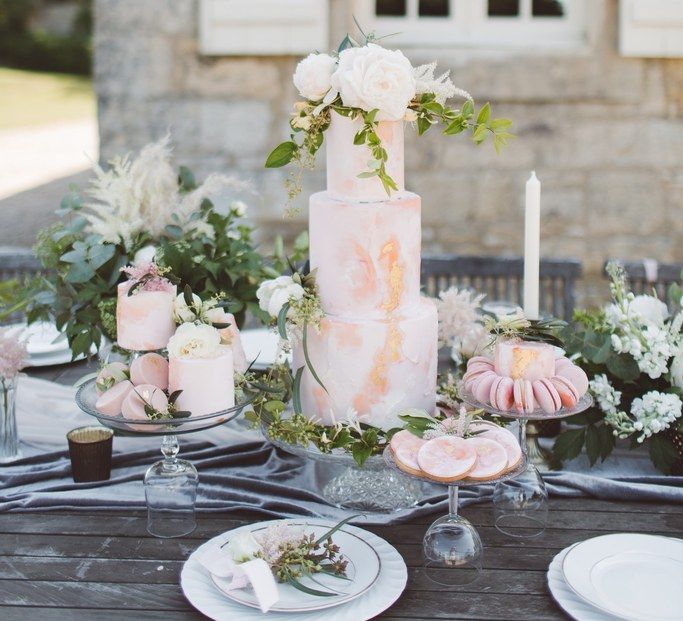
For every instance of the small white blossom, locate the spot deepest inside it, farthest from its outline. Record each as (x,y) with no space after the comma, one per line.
(654,412)
(442,87)
(607,397)
(239,208)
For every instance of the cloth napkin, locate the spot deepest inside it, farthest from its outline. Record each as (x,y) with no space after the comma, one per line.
(240,472)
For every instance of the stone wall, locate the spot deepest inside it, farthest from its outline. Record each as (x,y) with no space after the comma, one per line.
(603,132)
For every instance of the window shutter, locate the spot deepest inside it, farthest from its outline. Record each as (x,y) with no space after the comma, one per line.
(262,27)
(651,28)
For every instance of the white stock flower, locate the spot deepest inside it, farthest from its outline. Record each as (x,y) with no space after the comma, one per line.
(239,208)
(194,341)
(313,74)
(372,77)
(144,255)
(676,368)
(242,547)
(649,309)
(182,313)
(654,412)
(274,294)
(607,397)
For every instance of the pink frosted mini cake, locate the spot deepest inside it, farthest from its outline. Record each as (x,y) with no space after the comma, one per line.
(144,310)
(202,369)
(525,376)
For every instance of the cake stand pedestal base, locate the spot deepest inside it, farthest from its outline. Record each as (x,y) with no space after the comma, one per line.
(374,487)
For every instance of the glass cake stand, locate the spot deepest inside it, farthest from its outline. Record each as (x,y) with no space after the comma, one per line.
(520,504)
(171,483)
(452,549)
(344,484)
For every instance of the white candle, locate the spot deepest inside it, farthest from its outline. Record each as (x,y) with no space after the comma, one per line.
(532,242)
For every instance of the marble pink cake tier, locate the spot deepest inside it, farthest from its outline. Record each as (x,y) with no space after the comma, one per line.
(207,383)
(524,359)
(345,161)
(377,368)
(144,320)
(367,254)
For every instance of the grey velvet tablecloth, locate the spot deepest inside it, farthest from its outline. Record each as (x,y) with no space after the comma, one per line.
(239,472)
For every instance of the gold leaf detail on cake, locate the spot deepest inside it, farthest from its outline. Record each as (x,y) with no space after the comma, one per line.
(390,254)
(521,359)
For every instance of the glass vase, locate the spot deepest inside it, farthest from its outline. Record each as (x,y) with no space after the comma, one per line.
(9,440)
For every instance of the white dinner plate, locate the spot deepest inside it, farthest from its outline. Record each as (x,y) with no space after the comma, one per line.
(363,571)
(261,344)
(201,592)
(570,602)
(42,338)
(632,576)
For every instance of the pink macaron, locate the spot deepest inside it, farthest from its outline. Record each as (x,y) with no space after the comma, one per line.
(481,387)
(145,394)
(110,401)
(569,395)
(524,396)
(547,396)
(575,374)
(150,368)
(501,395)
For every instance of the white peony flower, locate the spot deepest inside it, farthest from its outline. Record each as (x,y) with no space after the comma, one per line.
(649,309)
(313,74)
(372,77)
(194,341)
(145,255)
(242,547)
(182,313)
(274,294)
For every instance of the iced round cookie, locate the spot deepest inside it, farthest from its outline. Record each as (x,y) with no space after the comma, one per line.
(404,447)
(447,458)
(150,368)
(492,459)
(504,437)
(110,402)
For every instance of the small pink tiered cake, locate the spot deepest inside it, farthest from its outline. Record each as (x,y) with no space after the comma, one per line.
(376,352)
(525,375)
(144,318)
(202,369)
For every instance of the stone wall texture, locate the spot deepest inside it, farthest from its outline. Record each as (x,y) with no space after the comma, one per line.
(603,132)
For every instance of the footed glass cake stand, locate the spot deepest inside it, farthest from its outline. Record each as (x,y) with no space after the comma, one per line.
(171,483)
(452,549)
(344,484)
(520,504)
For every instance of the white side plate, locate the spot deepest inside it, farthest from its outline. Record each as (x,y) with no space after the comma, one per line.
(632,576)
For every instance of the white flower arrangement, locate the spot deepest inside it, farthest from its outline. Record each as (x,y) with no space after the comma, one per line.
(633,350)
(461,323)
(375,84)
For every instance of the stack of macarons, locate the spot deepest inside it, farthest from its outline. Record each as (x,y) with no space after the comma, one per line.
(129,392)
(524,376)
(488,453)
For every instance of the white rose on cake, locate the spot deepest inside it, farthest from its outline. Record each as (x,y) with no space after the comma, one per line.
(194,341)
(274,294)
(145,255)
(372,77)
(313,74)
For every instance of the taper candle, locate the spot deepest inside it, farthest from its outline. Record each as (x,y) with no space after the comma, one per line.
(532,242)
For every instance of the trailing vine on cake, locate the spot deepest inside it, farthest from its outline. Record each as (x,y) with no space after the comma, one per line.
(364,80)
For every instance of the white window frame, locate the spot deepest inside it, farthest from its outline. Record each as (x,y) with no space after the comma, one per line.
(470,26)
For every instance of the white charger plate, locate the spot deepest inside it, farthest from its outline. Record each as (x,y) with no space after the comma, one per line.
(364,569)
(201,592)
(569,601)
(631,576)
(261,344)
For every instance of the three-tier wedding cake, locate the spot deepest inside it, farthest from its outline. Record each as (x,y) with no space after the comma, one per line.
(376,350)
